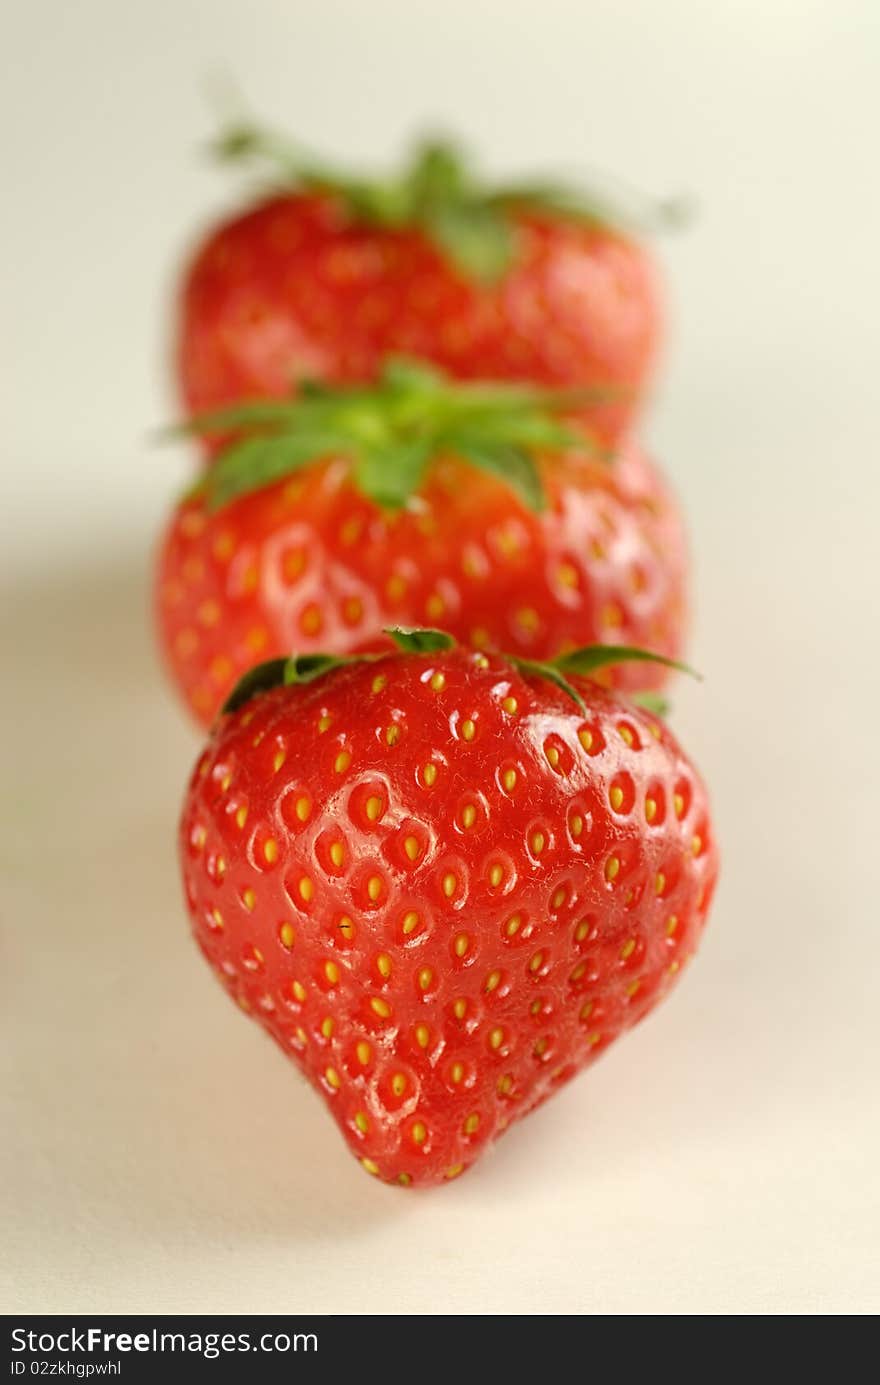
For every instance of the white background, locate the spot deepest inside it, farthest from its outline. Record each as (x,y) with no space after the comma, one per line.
(724,1158)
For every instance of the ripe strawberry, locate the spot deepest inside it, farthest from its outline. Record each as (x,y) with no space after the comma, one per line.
(415,502)
(444,882)
(329,275)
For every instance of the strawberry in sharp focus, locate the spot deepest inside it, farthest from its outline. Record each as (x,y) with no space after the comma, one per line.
(416,501)
(444,882)
(331,274)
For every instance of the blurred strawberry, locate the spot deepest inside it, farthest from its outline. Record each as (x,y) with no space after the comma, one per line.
(329,274)
(415,501)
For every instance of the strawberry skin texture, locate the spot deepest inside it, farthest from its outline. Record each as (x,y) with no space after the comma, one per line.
(295,288)
(311,564)
(443,889)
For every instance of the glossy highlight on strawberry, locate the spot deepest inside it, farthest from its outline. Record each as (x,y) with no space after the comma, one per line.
(444,884)
(329,275)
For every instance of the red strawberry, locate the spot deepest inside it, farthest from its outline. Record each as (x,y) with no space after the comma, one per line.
(443,882)
(328,277)
(435,513)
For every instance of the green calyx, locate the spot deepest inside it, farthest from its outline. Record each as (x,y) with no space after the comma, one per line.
(438,193)
(391,431)
(305,668)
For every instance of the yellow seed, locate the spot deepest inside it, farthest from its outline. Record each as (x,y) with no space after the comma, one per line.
(395,587)
(593,1039)
(536,1007)
(650,809)
(454,1171)
(398,1084)
(346,927)
(660,883)
(217,917)
(337,853)
(278,761)
(537,961)
(612,867)
(671,925)
(423,1035)
(567,575)
(241,817)
(577,825)
(299,991)
(342,762)
(370,1166)
(426,976)
(471,1123)
(364,1052)
(492,980)
(496,875)
(552,754)
(220,866)
(379,682)
(558,899)
(438,681)
(628,948)
(383,965)
(496,1038)
(450,883)
(419,1133)
(626,734)
(331,971)
(374,887)
(429,774)
(350,530)
(324,723)
(287,935)
(456,1072)
(302,808)
(373,808)
(696,845)
(513,925)
(461,944)
(327,1027)
(633,987)
(540,1048)
(310,621)
(508,779)
(582,930)
(578,972)
(505,1084)
(435,606)
(537,842)
(380,1007)
(404,1179)
(411,847)
(616,797)
(270,850)
(468,816)
(459,1008)
(410,921)
(673,968)
(528,619)
(362,1124)
(586,1010)
(467,730)
(510,705)
(333,1078)
(306,889)
(248,899)
(392,735)
(678,805)
(302,1035)
(480,661)
(586,738)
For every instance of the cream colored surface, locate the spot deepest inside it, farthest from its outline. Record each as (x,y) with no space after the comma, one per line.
(158,1154)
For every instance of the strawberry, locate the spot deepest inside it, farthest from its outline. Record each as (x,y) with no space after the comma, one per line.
(330,274)
(415,501)
(443,881)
